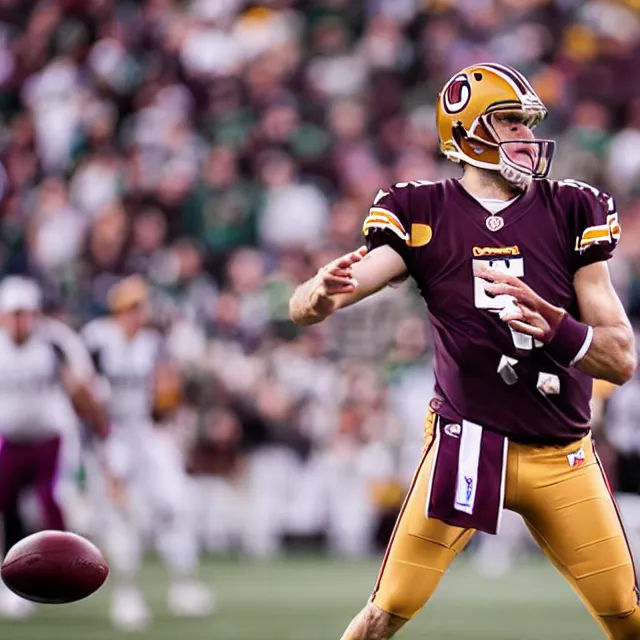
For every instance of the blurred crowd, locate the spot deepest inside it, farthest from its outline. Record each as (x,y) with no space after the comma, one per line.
(226,149)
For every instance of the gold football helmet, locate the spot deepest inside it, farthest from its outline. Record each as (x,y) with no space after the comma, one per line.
(465,106)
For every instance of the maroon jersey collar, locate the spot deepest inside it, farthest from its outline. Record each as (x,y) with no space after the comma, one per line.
(471,207)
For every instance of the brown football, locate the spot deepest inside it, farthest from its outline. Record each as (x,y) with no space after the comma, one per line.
(54,567)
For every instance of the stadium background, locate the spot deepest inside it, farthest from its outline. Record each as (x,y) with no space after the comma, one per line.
(226,149)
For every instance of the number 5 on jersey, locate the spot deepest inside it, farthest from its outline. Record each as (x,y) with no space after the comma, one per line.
(514,266)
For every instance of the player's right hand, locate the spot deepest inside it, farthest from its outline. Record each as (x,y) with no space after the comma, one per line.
(334,279)
(529,313)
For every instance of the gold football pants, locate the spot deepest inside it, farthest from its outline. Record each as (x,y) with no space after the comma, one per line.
(570,512)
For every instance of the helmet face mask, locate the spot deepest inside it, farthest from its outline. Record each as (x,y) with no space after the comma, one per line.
(538,152)
(519,174)
(467,108)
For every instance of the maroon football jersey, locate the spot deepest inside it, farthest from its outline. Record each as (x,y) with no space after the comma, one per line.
(485,372)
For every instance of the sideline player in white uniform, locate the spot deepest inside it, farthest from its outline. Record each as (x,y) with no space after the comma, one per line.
(46,373)
(146,480)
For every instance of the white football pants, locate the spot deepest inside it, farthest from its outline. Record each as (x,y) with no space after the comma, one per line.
(155,504)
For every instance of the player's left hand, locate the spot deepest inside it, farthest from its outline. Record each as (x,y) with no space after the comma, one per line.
(530,313)
(525,320)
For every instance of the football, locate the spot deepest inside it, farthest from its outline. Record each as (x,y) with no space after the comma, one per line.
(54,567)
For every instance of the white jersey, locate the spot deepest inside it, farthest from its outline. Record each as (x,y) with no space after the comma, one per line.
(127,365)
(33,403)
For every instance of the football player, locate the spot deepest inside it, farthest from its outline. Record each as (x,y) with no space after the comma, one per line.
(138,479)
(512,267)
(46,371)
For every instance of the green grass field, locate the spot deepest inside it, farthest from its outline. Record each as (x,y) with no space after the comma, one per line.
(314,599)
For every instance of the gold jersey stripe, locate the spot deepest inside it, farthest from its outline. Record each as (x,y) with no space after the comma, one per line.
(385,213)
(383,218)
(385,226)
(591,237)
(602,232)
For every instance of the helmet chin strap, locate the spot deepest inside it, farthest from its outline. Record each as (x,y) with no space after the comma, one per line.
(514,174)
(517,176)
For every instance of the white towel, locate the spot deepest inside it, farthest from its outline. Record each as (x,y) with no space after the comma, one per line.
(468,460)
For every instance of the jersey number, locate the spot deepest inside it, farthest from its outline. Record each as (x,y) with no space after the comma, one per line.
(513,266)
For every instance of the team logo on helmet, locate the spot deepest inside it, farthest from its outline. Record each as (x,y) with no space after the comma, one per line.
(457,94)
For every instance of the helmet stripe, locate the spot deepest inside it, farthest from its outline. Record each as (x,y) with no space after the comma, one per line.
(522,78)
(512,74)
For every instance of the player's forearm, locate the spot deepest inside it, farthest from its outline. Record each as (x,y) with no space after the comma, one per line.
(90,410)
(611,355)
(301,311)
(302,308)
(343,282)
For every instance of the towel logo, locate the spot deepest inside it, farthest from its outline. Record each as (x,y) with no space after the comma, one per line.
(453,430)
(576,458)
(469,482)
(467,488)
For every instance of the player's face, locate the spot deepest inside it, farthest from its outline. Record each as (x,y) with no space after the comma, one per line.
(512,126)
(20,325)
(134,318)
(140,315)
